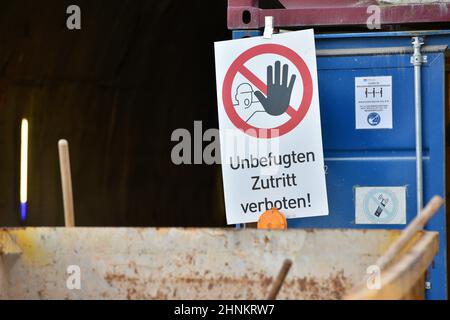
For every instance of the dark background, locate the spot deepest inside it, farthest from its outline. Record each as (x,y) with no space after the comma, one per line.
(116,90)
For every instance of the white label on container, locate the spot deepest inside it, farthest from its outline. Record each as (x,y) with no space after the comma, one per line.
(373,102)
(380,205)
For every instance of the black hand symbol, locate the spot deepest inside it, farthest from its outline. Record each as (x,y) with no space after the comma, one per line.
(278,92)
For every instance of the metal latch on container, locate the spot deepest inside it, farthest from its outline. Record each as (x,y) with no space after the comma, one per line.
(417,59)
(268,29)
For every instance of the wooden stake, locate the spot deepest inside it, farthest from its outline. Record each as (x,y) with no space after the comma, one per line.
(384,263)
(66,182)
(407,234)
(280,279)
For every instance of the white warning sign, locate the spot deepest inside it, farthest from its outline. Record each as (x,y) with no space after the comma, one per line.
(269,119)
(380,205)
(373,102)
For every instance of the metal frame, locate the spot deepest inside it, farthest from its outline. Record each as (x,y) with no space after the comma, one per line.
(417,60)
(332,13)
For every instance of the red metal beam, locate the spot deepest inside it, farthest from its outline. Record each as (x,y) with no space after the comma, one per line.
(247,14)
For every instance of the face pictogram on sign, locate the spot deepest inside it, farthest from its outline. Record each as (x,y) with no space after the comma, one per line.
(269,99)
(246,103)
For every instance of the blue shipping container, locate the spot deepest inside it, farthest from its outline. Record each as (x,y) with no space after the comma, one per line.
(384,157)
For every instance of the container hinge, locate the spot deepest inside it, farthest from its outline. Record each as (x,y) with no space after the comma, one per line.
(418,58)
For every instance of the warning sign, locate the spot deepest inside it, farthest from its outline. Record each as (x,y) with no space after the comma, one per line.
(269,117)
(267,105)
(380,205)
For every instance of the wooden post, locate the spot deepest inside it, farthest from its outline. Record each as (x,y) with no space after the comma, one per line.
(384,263)
(280,279)
(66,182)
(416,225)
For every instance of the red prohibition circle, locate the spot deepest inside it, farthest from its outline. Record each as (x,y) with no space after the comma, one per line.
(298,114)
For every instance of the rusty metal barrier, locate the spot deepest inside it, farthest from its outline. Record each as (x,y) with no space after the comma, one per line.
(130,263)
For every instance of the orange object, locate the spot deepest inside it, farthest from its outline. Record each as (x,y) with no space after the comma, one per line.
(272,219)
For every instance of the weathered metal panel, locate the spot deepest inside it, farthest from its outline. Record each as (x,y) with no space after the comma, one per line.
(129,263)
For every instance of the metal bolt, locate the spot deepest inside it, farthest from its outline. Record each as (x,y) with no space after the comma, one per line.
(417,41)
(427,285)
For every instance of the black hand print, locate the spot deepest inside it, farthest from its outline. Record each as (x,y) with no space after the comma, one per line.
(278,90)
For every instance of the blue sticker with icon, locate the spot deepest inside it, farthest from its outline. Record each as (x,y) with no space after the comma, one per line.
(374,119)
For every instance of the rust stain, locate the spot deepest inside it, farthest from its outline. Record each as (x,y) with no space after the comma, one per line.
(41,294)
(334,287)
(338,285)
(255,287)
(8,230)
(162,231)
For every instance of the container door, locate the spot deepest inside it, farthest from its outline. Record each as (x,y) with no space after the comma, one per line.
(368,165)
(370,162)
